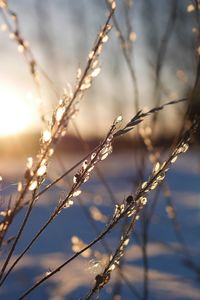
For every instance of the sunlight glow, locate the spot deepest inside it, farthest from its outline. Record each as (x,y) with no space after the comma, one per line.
(16,113)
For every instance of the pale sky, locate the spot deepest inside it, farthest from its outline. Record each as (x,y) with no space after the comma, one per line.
(61,33)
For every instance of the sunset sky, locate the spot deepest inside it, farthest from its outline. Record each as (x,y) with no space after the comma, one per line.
(61,34)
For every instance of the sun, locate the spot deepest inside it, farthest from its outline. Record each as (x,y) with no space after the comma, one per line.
(16,114)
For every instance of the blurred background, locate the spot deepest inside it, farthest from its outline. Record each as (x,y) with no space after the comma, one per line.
(160,38)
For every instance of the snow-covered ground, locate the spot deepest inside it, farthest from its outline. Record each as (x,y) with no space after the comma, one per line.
(169,276)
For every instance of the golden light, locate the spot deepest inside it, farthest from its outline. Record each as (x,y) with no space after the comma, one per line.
(16,114)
